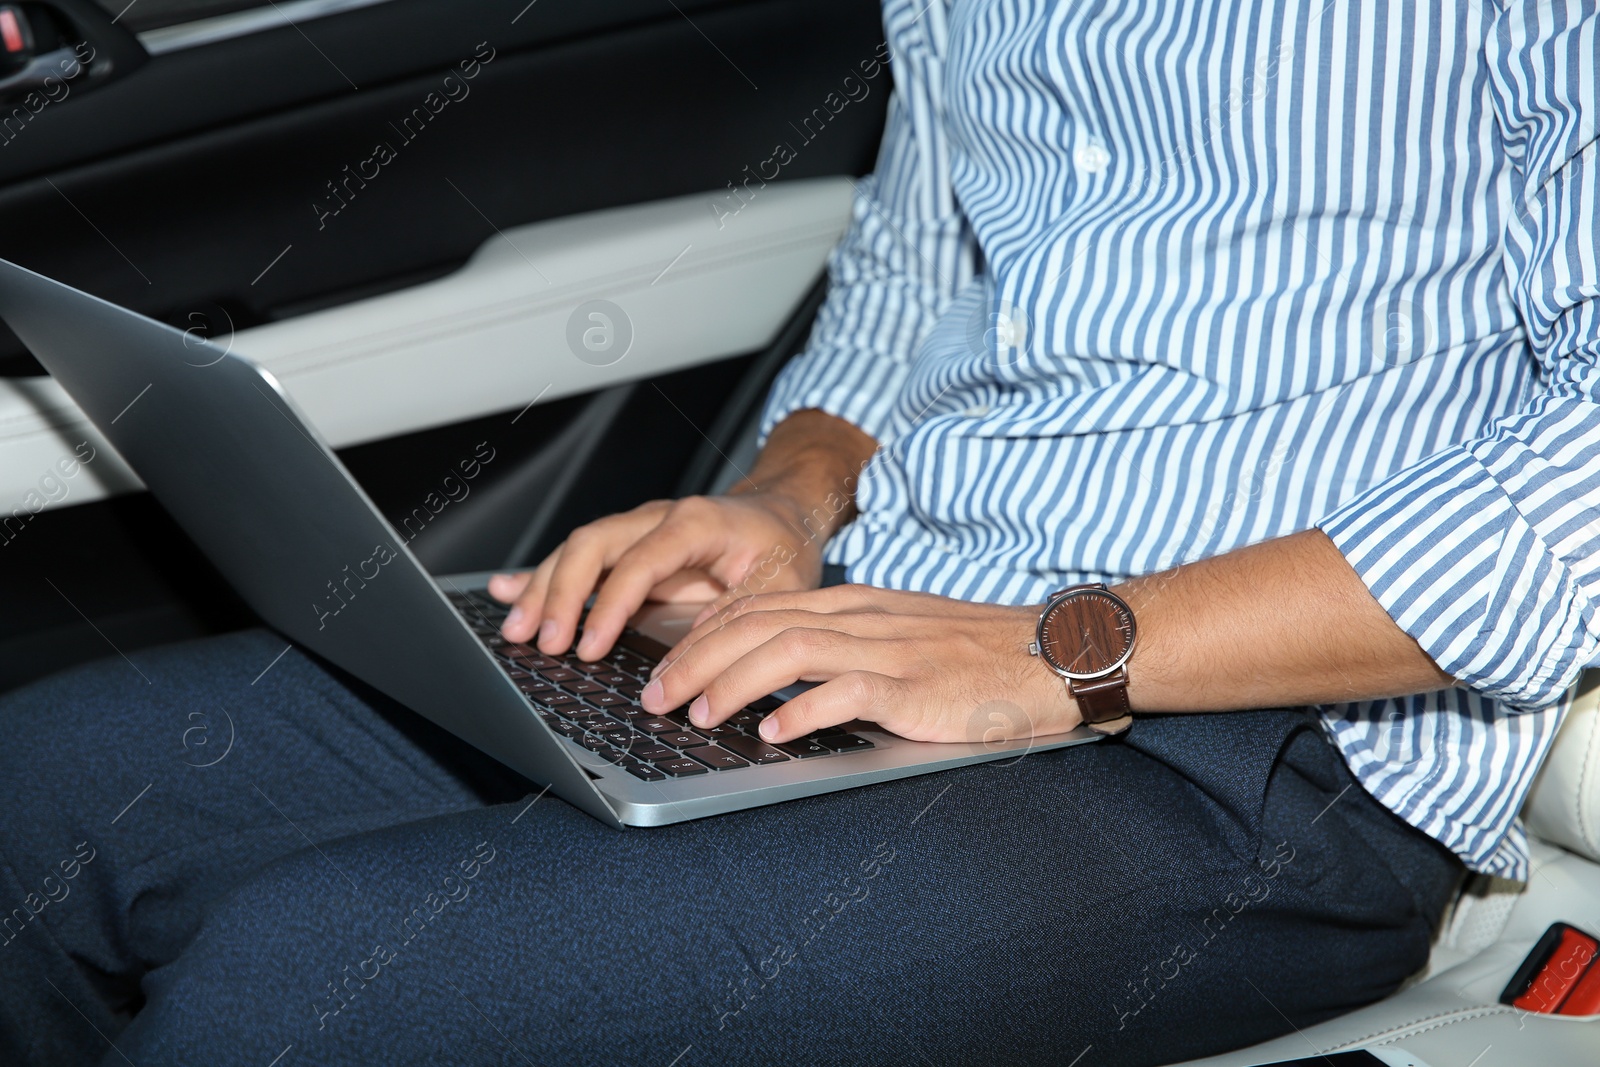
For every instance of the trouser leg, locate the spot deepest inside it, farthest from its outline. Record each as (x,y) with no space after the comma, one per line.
(138,793)
(1204,884)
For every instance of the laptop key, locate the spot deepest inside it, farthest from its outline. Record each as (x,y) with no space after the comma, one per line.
(718,759)
(805,748)
(627,659)
(647,772)
(683,739)
(846,742)
(653,752)
(754,750)
(657,726)
(604,699)
(682,767)
(556,675)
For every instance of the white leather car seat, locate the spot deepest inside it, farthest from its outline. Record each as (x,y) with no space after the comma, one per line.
(1450,1014)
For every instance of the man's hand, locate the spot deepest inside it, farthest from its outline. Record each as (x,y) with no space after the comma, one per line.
(691,550)
(922,666)
(1282,623)
(767,535)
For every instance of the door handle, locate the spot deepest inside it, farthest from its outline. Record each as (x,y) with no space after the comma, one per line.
(62,41)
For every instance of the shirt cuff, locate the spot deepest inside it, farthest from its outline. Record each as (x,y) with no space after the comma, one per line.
(859,387)
(1449,556)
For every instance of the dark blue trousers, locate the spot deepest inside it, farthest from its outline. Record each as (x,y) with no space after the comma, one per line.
(203,863)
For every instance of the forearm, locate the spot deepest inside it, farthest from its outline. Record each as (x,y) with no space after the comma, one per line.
(811,464)
(1282,623)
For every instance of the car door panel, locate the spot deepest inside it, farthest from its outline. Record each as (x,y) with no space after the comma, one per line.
(669,284)
(188,190)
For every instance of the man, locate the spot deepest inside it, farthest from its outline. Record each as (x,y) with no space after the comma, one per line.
(1280,320)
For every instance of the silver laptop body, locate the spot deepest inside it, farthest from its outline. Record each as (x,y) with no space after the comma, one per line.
(224,449)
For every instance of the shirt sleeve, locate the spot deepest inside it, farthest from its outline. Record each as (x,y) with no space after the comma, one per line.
(1489,553)
(907,249)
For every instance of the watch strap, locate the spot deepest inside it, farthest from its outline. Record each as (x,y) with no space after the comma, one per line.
(1103,702)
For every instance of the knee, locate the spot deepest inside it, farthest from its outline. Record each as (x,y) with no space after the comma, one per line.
(79,724)
(312,951)
(253,979)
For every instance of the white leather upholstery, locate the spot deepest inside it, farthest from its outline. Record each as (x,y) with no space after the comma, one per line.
(1564,807)
(1450,1015)
(697,280)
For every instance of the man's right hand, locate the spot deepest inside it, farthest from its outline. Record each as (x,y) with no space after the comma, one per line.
(698,549)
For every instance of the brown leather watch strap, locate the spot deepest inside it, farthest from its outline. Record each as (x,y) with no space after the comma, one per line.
(1103,702)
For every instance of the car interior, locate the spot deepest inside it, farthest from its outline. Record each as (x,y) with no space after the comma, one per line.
(570,246)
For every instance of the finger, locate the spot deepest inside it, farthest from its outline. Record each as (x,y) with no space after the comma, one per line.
(585,555)
(507,587)
(832,600)
(795,655)
(528,601)
(687,676)
(674,545)
(705,625)
(856,694)
(760,654)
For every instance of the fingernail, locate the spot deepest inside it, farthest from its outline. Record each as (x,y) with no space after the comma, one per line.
(653,696)
(769,727)
(700,710)
(514,616)
(547,631)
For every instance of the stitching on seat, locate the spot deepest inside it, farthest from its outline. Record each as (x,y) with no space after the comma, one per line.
(1415,1026)
(1589,759)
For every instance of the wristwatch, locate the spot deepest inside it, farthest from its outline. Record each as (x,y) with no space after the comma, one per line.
(1086,635)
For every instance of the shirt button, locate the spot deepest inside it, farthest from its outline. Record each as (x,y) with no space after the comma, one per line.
(977,411)
(1092,158)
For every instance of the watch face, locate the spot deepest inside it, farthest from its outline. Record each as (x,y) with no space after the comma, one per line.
(1086,633)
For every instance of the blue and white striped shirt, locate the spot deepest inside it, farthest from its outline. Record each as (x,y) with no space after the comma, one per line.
(1138,282)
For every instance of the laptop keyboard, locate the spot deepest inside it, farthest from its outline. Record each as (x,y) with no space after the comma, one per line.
(596,706)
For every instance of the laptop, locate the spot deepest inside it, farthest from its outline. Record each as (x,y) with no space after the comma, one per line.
(223,448)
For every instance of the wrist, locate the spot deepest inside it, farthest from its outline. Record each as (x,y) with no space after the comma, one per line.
(1085,636)
(808,472)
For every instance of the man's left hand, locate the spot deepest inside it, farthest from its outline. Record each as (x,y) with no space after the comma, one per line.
(921,666)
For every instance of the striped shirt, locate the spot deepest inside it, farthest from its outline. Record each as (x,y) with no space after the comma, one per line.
(1138,282)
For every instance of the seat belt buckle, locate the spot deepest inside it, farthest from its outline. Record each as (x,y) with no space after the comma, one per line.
(1561,976)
